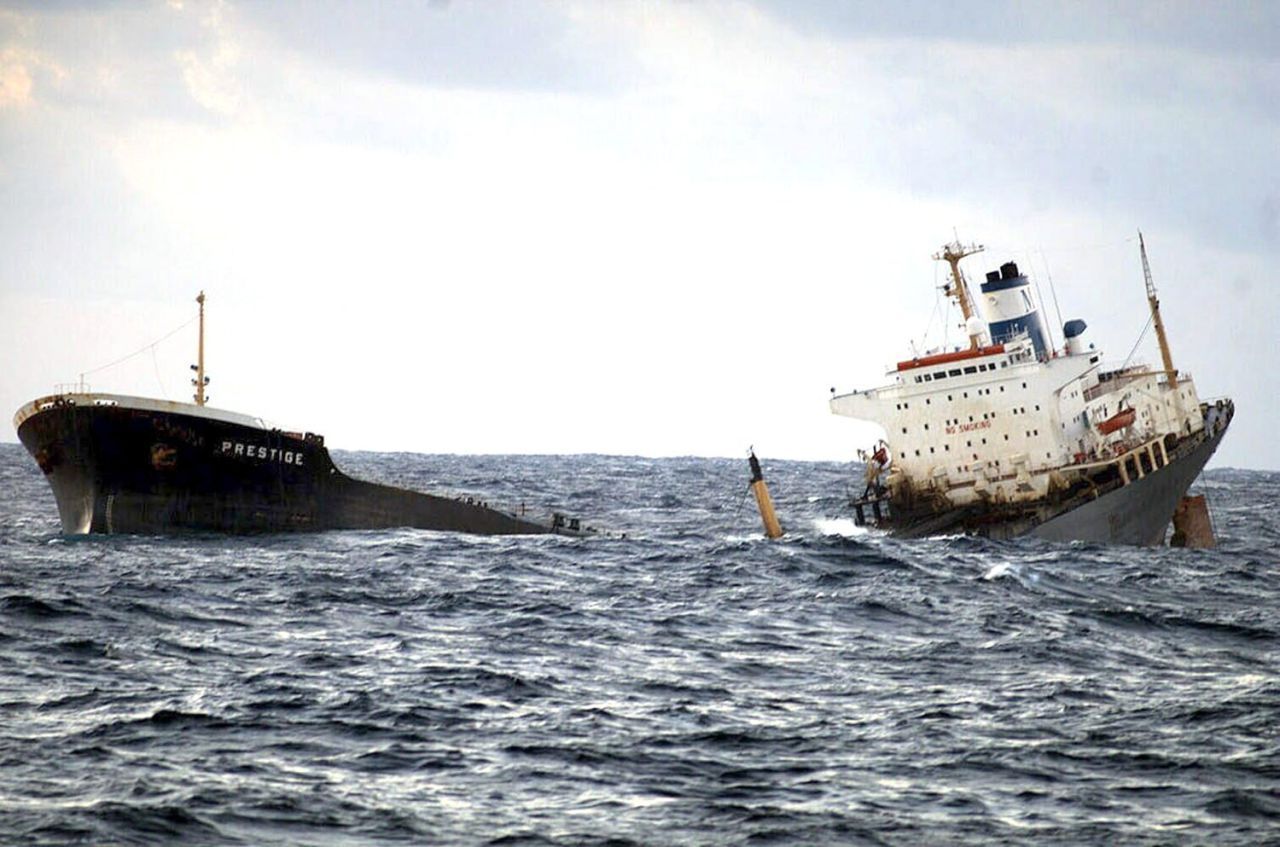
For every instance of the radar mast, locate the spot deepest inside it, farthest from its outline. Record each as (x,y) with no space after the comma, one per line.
(952,254)
(1154,302)
(201,380)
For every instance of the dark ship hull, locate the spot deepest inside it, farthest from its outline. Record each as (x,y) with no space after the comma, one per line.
(134,465)
(1102,508)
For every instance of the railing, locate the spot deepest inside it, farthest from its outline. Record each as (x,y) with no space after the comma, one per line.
(1183,376)
(1116,379)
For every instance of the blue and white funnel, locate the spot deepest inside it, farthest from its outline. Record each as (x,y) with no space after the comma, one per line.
(1009,308)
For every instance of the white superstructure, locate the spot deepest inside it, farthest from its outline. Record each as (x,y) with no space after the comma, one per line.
(1010,418)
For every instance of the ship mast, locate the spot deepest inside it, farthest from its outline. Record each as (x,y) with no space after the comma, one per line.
(201,380)
(1170,372)
(952,254)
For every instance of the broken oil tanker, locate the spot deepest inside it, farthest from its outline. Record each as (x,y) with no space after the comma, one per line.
(1007,436)
(120,464)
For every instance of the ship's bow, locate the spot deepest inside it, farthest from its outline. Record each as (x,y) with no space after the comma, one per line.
(47,429)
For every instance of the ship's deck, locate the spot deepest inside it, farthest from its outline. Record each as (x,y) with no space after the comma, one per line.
(126,401)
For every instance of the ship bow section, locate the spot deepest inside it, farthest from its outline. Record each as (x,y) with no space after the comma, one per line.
(51,439)
(132,465)
(116,466)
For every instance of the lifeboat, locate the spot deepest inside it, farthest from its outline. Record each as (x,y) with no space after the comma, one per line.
(1119,420)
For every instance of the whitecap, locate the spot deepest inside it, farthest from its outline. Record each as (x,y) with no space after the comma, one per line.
(1002,569)
(839,526)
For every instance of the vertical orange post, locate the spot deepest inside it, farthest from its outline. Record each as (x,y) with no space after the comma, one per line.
(772,529)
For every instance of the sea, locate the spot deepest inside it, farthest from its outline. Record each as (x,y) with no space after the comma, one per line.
(676,679)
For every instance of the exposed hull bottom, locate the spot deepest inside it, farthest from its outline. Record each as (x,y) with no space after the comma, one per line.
(1136,513)
(114,468)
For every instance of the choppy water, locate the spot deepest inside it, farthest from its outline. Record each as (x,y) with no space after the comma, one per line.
(690,684)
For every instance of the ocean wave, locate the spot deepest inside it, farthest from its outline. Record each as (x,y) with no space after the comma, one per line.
(693,682)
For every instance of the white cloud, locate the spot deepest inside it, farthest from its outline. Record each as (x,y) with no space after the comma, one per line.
(656,229)
(211,74)
(15,79)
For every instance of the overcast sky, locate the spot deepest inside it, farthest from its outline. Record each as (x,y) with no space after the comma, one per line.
(637,228)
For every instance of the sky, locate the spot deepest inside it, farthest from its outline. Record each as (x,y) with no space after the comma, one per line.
(629,228)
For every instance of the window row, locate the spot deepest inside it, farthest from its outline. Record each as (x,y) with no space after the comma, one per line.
(982,367)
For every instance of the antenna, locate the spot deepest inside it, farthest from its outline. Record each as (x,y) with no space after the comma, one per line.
(1053,291)
(1047,325)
